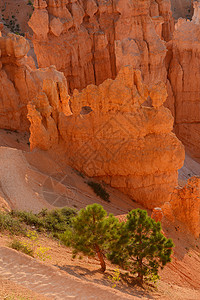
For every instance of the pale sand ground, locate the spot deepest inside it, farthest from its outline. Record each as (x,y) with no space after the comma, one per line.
(32,181)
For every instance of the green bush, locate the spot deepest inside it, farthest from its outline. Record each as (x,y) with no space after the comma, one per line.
(7,223)
(55,221)
(99,190)
(28,217)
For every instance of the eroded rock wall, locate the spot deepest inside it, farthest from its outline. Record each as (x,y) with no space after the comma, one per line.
(20,81)
(184,206)
(183,60)
(91,40)
(119,132)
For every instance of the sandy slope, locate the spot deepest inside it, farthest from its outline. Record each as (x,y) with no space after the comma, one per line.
(32,180)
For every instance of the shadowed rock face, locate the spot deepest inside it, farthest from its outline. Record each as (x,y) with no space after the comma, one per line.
(91,40)
(126,143)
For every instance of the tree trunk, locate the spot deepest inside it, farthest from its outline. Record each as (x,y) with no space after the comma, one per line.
(101,259)
(140,275)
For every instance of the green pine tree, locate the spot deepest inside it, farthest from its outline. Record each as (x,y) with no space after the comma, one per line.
(142,248)
(92,232)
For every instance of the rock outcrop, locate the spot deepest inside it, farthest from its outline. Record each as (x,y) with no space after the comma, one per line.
(160,11)
(184,206)
(117,134)
(91,40)
(184,76)
(43,114)
(20,81)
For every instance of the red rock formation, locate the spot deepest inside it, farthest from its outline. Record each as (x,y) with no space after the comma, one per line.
(113,137)
(184,75)
(43,113)
(20,81)
(91,40)
(162,9)
(184,206)
(157,214)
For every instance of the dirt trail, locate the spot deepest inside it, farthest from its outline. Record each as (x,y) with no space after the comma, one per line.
(50,282)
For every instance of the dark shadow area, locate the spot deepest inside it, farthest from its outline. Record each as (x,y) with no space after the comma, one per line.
(128,284)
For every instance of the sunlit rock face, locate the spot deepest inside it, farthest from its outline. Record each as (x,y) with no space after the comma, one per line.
(91,40)
(119,132)
(184,206)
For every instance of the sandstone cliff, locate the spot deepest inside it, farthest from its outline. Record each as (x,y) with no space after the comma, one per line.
(91,40)
(113,137)
(183,60)
(20,81)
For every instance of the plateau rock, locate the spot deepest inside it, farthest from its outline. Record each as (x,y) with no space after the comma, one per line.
(117,134)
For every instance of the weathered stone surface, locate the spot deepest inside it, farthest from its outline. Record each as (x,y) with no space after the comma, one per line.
(184,206)
(20,81)
(163,8)
(91,40)
(113,137)
(157,214)
(184,75)
(43,113)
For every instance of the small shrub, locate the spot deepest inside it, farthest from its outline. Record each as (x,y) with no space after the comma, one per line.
(42,253)
(7,223)
(115,278)
(99,190)
(30,3)
(28,217)
(32,235)
(22,246)
(55,221)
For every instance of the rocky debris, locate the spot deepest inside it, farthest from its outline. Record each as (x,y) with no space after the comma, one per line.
(91,40)
(184,206)
(20,81)
(128,145)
